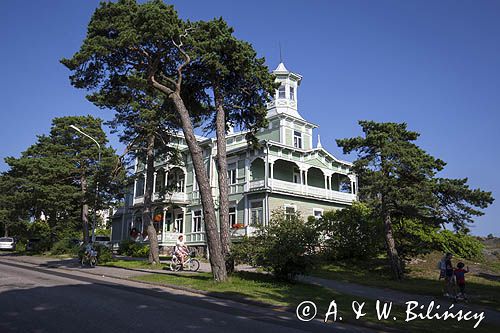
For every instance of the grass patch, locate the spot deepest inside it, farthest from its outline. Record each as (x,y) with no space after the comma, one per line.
(263,288)
(483,282)
(135,264)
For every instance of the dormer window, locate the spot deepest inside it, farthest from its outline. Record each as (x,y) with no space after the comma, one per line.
(292,93)
(297,139)
(281,91)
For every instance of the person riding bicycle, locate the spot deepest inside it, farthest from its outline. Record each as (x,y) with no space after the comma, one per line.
(89,249)
(181,250)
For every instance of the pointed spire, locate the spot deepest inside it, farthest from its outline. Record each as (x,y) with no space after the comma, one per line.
(281,68)
(319,143)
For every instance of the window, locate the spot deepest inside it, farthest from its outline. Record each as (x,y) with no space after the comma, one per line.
(296,176)
(197,221)
(232,216)
(160,181)
(297,139)
(175,181)
(231,174)
(139,186)
(317,213)
(168,222)
(292,93)
(179,223)
(256,212)
(289,212)
(281,91)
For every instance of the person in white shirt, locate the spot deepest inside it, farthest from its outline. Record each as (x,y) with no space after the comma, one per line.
(181,250)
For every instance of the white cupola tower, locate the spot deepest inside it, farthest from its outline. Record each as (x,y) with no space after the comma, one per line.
(285,98)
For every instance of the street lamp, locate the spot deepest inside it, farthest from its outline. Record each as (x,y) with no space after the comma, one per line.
(97,181)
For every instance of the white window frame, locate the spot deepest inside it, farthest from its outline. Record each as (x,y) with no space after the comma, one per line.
(321,210)
(178,222)
(297,139)
(233,215)
(285,206)
(194,217)
(282,92)
(232,173)
(292,93)
(251,210)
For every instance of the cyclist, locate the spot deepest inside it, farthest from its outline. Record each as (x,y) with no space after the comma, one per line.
(181,250)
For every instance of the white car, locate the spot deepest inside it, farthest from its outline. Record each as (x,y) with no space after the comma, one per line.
(103,240)
(7,243)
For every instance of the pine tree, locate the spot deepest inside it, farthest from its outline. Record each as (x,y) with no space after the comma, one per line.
(398,180)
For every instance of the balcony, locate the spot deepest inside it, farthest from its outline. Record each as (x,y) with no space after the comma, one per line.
(177,197)
(310,191)
(286,176)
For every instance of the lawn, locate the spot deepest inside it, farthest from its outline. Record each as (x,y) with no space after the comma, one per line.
(483,281)
(263,288)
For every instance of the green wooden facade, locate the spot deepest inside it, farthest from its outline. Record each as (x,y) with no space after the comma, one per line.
(285,173)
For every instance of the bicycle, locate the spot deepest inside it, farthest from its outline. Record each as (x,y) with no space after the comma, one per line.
(190,264)
(90,258)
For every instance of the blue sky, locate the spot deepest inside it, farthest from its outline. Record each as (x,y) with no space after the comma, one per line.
(432,64)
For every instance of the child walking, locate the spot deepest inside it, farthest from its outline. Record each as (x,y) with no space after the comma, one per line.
(459,273)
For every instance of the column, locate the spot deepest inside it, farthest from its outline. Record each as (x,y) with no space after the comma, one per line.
(163,229)
(266,172)
(305,182)
(247,175)
(326,186)
(154,184)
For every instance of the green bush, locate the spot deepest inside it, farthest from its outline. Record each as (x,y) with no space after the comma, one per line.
(65,246)
(21,246)
(125,247)
(40,229)
(104,254)
(460,244)
(133,249)
(349,233)
(286,247)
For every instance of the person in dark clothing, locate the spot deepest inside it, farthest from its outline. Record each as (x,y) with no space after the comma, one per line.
(449,281)
(460,277)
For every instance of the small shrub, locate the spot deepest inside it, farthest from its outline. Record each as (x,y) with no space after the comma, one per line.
(133,249)
(125,247)
(351,232)
(65,246)
(21,246)
(286,247)
(104,254)
(140,250)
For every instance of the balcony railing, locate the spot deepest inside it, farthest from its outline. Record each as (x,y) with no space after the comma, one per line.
(167,197)
(195,237)
(309,191)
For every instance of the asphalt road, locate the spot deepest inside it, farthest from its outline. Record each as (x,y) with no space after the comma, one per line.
(37,299)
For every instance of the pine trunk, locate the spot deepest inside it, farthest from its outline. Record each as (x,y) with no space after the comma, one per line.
(6,230)
(392,252)
(85,210)
(147,213)
(217,261)
(220,129)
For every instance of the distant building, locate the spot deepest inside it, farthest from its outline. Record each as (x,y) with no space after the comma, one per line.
(287,173)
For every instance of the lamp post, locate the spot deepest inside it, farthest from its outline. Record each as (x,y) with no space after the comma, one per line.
(97,181)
